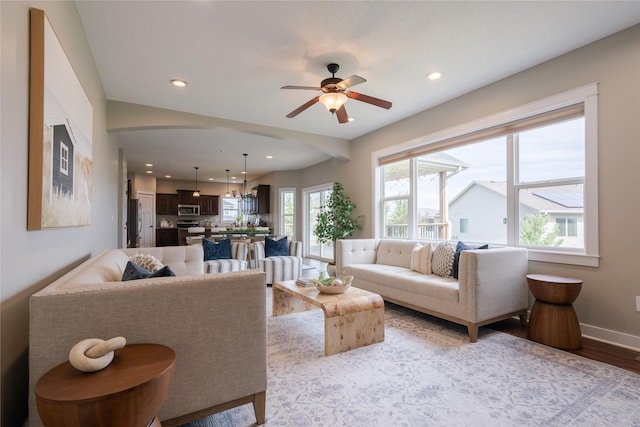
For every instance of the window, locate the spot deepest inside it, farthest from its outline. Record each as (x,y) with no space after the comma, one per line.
(230,209)
(288,212)
(314,199)
(64,158)
(526,177)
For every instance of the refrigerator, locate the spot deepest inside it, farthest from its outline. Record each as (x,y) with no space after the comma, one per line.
(134,224)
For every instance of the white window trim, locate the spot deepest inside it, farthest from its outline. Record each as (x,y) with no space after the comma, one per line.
(64,158)
(305,213)
(282,215)
(588,95)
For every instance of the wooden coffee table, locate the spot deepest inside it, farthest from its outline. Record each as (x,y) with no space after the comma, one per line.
(351,320)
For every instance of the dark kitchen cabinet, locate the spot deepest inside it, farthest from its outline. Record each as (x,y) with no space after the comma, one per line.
(185,197)
(166,237)
(166,204)
(208,205)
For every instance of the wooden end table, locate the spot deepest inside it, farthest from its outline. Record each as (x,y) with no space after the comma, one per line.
(351,320)
(128,392)
(553,321)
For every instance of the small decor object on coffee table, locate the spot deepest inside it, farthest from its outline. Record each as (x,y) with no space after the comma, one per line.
(332,285)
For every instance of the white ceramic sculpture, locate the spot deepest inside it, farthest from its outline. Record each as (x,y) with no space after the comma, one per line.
(94,354)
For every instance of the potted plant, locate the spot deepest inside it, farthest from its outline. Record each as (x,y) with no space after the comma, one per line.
(334,221)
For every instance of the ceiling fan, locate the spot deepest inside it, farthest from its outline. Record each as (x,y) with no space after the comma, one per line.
(335,95)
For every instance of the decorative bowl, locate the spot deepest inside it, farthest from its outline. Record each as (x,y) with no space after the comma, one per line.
(332,285)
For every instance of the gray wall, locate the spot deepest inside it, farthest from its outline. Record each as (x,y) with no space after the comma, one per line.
(606,305)
(31,259)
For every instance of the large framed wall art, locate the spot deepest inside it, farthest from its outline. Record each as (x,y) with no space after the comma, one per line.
(60,135)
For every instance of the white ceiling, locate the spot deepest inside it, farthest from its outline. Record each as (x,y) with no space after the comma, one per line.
(236,55)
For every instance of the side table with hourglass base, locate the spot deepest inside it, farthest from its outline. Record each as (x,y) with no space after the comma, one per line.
(553,321)
(128,392)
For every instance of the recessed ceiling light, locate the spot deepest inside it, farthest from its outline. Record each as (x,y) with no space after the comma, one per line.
(269,157)
(211,179)
(351,119)
(167,176)
(178,83)
(149,165)
(435,75)
(149,171)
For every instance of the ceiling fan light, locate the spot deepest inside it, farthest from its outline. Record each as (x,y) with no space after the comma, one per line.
(333,100)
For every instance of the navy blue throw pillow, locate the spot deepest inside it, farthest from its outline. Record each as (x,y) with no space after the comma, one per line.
(134,272)
(456,258)
(274,247)
(216,250)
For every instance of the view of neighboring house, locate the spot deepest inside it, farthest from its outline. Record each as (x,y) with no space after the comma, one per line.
(478,212)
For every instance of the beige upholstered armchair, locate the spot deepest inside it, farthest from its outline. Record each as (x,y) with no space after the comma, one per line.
(286,265)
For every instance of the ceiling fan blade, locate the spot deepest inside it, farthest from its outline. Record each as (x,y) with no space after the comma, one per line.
(301,87)
(369,99)
(303,107)
(342,115)
(351,81)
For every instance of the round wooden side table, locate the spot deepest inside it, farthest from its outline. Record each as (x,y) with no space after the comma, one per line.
(128,392)
(553,321)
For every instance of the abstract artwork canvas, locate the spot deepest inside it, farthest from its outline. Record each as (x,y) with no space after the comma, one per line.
(60,135)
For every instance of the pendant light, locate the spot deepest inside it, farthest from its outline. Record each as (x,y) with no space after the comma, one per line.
(244,185)
(228,194)
(196,193)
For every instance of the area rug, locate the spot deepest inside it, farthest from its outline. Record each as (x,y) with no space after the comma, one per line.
(426,373)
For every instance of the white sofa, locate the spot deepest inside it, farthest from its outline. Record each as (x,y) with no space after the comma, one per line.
(491,285)
(215,323)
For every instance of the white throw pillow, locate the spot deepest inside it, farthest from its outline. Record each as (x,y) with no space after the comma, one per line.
(421,259)
(442,259)
(148,262)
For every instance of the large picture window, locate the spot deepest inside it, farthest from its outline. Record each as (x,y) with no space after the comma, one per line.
(529,180)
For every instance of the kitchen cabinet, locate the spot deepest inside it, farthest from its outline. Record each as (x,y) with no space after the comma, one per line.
(166,237)
(185,197)
(166,204)
(208,205)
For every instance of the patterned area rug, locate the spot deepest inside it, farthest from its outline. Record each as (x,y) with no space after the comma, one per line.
(426,373)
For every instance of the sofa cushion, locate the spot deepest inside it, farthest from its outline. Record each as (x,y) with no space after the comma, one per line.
(133,271)
(276,247)
(216,250)
(444,288)
(421,259)
(396,252)
(147,261)
(456,258)
(442,259)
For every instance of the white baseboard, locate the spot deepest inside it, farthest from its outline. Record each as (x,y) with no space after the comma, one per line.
(608,336)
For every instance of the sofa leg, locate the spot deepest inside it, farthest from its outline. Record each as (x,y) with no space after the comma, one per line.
(260,406)
(473,332)
(523,318)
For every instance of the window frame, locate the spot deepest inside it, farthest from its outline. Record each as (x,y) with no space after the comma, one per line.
(283,215)
(306,223)
(585,95)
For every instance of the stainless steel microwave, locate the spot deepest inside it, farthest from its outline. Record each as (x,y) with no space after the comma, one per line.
(188,210)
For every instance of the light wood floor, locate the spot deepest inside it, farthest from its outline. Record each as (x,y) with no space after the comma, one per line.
(591,349)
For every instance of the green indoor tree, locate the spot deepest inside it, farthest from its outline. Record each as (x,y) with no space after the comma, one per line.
(334,221)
